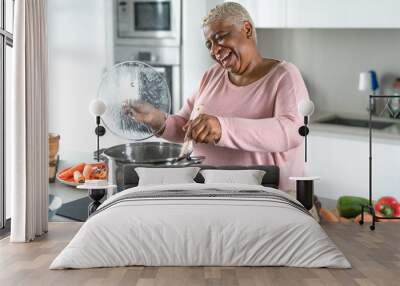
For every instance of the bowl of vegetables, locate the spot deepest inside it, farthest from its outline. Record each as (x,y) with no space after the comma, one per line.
(79,173)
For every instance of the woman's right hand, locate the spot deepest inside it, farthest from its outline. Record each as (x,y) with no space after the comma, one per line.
(146,113)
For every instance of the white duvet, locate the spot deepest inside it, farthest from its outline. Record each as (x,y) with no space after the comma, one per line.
(207,230)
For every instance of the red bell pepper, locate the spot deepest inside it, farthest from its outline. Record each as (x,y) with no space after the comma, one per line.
(391,201)
(387,206)
(396,210)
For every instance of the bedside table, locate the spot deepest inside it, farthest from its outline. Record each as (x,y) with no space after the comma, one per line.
(96,189)
(305,190)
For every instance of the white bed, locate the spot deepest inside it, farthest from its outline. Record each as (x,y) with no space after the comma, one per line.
(201,224)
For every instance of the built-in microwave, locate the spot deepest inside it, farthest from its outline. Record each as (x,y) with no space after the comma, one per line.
(153,22)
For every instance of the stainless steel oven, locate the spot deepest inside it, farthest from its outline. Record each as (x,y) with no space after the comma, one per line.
(165,60)
(148,22)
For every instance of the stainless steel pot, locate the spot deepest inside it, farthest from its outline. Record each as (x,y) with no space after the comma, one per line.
(121,159)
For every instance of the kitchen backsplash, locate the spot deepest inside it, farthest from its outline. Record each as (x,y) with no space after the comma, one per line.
(331,59)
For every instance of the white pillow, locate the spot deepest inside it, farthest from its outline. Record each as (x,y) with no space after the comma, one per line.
(249,177)
(162,176)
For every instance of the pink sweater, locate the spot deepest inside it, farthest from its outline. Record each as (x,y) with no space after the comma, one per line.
(259,121)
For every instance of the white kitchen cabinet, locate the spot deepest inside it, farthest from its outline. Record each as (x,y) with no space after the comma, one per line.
(342,164)
(266,13)
(324,13)
(342,13)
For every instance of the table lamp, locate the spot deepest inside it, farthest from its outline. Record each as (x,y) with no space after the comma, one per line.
(306,109)
(305,185)
(97,108)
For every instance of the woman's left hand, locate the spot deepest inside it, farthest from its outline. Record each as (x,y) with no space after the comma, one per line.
(204,129)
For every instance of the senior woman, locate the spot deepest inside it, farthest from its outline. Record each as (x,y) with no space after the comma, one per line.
(249,114)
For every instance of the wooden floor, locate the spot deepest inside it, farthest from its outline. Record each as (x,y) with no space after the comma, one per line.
(375,257)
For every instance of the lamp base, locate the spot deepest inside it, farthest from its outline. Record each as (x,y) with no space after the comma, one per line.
(96,195)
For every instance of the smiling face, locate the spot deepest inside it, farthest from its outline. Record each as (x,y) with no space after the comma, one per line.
(230,46)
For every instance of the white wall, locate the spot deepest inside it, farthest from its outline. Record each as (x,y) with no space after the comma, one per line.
(331,59)
(195,57)
(79,52)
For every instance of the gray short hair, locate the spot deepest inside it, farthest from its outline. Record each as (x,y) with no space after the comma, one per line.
(230,11)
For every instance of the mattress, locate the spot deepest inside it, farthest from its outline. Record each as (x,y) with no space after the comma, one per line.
(201,225)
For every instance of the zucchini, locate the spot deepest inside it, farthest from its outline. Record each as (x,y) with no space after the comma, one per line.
(349,206)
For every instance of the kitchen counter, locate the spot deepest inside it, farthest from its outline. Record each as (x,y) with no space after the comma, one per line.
(390,135)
